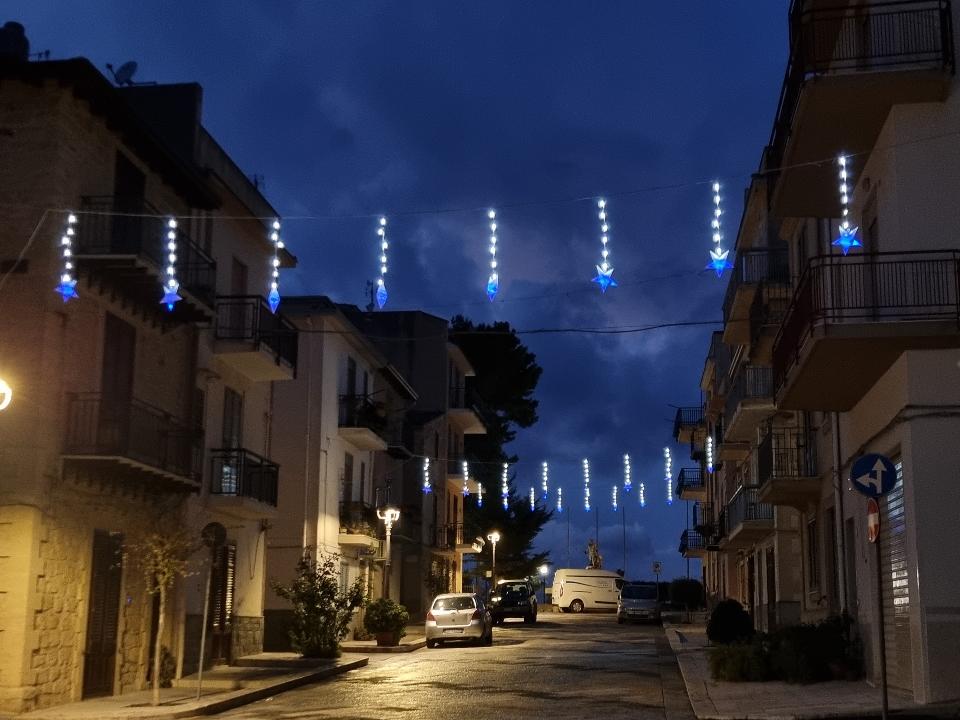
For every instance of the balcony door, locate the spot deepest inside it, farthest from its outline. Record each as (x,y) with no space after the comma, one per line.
(116,384)
(242,316)
(129,188)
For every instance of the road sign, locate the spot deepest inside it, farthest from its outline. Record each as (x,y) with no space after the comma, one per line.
(873,475)
(873,520)
(657,567)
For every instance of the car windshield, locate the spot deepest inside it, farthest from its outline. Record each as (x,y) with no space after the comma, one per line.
(453,603)
(512,589)
(639,592)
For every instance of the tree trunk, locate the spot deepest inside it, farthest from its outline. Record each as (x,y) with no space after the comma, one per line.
(157,645)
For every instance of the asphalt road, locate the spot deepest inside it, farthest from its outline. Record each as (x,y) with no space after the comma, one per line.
(565,667)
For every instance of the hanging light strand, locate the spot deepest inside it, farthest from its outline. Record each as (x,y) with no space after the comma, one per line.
(559,499)
(643,494)
(505,487)
(545,483)
(466,479)
(710,453)
(668,473)
(493,282)
(627,482)
(273,297)
(170,285)
(586,485)
(384,246)
(718,256)
(604,276)
(427,485)
(614,498)
(848,235)
(67,287)
(533,498)
(479,495)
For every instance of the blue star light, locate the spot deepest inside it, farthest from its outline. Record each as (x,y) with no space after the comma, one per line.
(381,295)
(493,285)
(273,300)
(604,279)
(719,262)
(67,290)
(170,297)
(848,239)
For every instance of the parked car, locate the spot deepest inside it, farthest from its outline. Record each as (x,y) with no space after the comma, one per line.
(576,590)
(459,617)
(638,601)
(513,599)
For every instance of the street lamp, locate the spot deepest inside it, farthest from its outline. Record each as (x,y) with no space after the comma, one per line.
(389,515)
(543,581)
(6,394)
(494,538)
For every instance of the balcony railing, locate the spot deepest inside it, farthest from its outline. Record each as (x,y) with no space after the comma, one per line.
(751,382)
(745,507)
(362,411)
(687,418)
(761,266)
(358,518)
(786,452)
(703,520)
(690,478)
(242,473)
(136,228)
(691,540)
(100,426)
(247,318)
(868,288)
(449,536)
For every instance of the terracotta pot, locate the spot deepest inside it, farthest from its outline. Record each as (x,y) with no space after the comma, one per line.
(388,639)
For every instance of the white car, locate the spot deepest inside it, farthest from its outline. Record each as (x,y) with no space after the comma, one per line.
(459,617)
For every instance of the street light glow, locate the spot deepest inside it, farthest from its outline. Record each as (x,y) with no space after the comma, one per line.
(6,394)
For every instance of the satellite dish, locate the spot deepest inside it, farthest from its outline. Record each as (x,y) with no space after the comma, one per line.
(214,534)
(123,75)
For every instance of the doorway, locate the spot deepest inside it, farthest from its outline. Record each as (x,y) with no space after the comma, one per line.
(221,604)
(100,651)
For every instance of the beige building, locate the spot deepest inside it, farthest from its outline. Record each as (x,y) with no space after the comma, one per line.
(865,356)
(124,412)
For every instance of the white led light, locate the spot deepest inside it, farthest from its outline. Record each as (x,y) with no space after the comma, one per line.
(614,498)
(668,473)
(381,295)
(709,453)
(466,479)
(170,286)
(643,494)
(493,280)
(505,486)
(604,276)
(273,296)
(533,499)
(545,481)
(627,482)
(586,485)
(559,499)
(427,485)
(848,236)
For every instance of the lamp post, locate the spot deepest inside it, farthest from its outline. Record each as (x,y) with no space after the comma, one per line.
(543,581)
(389,515)
(494,538)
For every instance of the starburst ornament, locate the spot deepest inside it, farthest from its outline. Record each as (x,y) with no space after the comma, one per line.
(848,235)
(604,276)
(67,288)
(718,256)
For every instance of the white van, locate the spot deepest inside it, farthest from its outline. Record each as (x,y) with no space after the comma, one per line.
(577,590)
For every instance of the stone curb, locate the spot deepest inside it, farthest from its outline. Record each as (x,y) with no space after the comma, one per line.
(401,648)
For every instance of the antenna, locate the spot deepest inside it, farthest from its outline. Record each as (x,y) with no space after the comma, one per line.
(123,75)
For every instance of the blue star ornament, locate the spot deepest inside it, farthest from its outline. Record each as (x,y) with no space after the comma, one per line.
(67,289)
(604,278)
(273,300)
(381,296)
(493,285)
(718,261)
(848,239)
(170,297)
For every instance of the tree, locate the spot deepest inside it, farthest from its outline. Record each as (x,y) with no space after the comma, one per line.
(321,612)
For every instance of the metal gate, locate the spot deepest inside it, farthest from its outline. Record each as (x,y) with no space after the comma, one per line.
(896,585)
(100,651)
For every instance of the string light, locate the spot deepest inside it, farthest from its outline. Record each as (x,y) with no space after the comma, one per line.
(68,283)
(614,495)
(710,453)
(586,485)
(545,485)
(479,495)
(273,297)
(384,246)
(604,276)
(505,487)
(718,256)
(466,479)
(643,495)
(627,483)
(493,282)
(668,474)
(170,285)
(427,486)
(848,235)
(533,498)
(559,499)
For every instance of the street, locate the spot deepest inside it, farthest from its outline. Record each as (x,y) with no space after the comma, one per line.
(574,666)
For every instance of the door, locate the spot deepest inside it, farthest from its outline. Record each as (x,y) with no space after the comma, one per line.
(771,577)
(896,585)
(243,316)
(100,650)
(116,384)
(128,231)
(221,604)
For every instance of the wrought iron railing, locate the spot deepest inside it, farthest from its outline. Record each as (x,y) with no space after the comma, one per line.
(760,266)
(703,520)
(786,453)
(242,473)
(359,518)
(101,426)
(247,318)
(689,478)
(115,225)
(865,288)
(449,536)
(745,507)
(362,411)
(687,418)
(750,382)
(691,540)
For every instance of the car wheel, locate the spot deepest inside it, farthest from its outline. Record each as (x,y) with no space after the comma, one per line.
(576,606)
(431,644)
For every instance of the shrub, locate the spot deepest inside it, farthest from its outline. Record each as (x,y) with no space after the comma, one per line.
(386,616)
(813,653)
(741,661)
(321,612)
(729,623)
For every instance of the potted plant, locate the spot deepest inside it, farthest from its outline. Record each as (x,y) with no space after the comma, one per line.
(386,620)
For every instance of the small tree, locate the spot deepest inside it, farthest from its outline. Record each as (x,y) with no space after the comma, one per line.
(162,553)
(321,612)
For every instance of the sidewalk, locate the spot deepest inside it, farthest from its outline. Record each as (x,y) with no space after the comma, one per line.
(413,640)
(712,700)
(224,687)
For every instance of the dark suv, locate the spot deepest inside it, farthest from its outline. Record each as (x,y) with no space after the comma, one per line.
(513,599)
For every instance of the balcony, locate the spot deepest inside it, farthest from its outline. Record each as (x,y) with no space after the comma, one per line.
(129,442)
(849,65)
(253,341)
(690,484)
(851,317)
(754,273)
(450,539)
(362,422)
(692,544)
(462,412)
(455,476)
(787,467)
(687,422)
(749,402)
(358,525)
(716,540)
(748,520)
(243,483)
(125,255)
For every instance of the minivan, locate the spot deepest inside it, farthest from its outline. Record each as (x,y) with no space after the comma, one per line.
(638,601)
(576,590)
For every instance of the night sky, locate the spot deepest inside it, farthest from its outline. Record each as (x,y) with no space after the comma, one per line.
(433,112)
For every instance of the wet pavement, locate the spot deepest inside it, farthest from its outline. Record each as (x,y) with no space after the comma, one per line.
(569,666)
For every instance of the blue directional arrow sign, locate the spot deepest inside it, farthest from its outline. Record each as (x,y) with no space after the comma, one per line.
(873,475)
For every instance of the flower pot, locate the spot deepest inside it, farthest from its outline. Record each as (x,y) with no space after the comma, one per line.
(388,639)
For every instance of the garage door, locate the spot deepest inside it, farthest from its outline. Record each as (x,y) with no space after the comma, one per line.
(896,585)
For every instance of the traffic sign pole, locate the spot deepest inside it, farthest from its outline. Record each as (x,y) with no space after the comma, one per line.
(884,708)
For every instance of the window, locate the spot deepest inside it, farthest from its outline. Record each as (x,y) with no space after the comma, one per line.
(232,418)
(458,602)
(346,485)
(813,559)
(363,482)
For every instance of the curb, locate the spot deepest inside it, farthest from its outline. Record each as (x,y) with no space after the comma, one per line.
(370,649)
